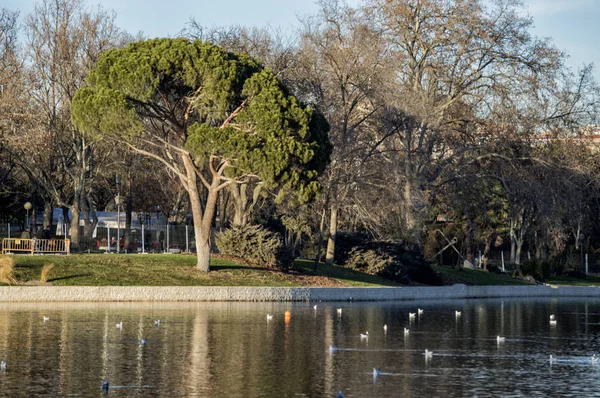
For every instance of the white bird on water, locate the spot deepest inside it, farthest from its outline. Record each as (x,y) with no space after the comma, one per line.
(332,348)
(269,317)
(315,307)
(420,311)
(364,335)
(552,317)
(500,339)
(594,358)
(339,311)
(120,325)
(3,365)
(384,328)
(411,315)
(376,372)
(157,322)
(457,313)
(46,318)
(428,354)
(552,359)
(552,322)
(406,330)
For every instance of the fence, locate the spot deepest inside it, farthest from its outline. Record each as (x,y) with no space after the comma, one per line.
(155,239)
(41,246)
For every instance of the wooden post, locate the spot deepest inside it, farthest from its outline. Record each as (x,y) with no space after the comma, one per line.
(502,257)
(586,263)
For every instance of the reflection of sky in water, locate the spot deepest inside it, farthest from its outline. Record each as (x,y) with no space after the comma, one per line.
(230,350)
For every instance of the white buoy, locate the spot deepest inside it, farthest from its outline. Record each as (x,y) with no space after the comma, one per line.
(3,365)
(315,307)
(384,328)
(552,322)
(552,317)
(339,311)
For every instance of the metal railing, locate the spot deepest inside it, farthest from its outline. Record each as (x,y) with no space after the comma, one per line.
(19,245)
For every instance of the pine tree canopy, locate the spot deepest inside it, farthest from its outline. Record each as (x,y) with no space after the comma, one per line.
(175,94)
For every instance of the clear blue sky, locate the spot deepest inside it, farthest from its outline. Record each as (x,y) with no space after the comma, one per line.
(573,24)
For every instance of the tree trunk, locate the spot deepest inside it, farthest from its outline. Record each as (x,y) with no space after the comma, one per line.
(75,223)
(332,235)
(222,209)
(518,251)
(202,222)
(513,242)
(320,244)
(48,212)
(240,200)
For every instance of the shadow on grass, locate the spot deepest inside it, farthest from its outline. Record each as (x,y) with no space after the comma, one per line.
(62,278)
(235,267)
(341,273)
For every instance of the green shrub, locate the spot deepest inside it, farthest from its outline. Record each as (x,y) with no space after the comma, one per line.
(539,269)
(255,245)
(390,260)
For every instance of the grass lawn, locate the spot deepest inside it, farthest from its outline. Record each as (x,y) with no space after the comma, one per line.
(344,275)
(179,270)
(176,270)
(476,277)
(570,281)
(481,277)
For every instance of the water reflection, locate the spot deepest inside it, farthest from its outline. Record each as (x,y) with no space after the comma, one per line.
(230,350)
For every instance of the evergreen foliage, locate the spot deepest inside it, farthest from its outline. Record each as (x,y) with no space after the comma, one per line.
(148,86)
(390,260)
(251,243)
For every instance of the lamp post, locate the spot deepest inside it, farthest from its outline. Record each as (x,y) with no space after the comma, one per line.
(118,202)
(157,227)
(27,207)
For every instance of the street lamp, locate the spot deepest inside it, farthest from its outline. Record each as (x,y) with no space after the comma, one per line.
(27,207)
(157,225)
(118,202)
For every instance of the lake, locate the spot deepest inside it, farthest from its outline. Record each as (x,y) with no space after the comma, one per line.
(232,350)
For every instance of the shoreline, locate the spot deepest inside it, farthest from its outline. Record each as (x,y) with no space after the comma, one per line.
(280,294)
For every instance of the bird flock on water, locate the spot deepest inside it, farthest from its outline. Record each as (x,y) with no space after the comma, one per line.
(363,336)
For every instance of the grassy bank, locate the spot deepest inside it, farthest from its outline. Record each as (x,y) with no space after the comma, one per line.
(479,277)
(176,270)
(475,277)
(179,270)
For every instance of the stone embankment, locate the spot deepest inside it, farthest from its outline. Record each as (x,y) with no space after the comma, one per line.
(177,293)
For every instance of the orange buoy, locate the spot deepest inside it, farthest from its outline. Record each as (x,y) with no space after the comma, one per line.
(288,316)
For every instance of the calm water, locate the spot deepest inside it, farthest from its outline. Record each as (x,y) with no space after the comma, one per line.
(230,350)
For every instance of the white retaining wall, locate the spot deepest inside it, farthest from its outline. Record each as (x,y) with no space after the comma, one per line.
(177,293)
